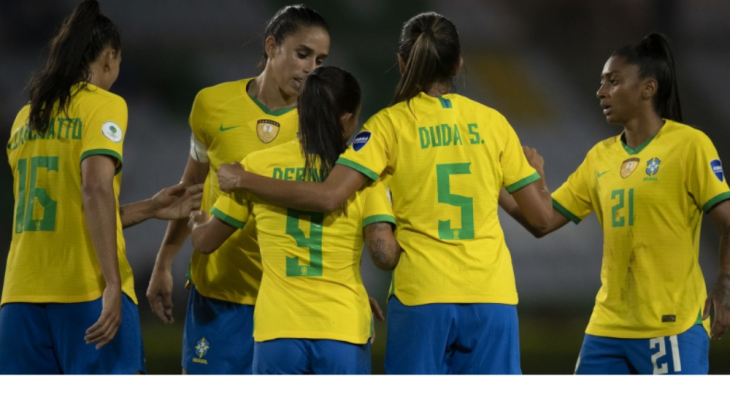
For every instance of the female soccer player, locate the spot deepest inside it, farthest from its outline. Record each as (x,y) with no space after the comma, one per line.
(228,122)
(312,313)
(649,187)
(445,157)
(67,260)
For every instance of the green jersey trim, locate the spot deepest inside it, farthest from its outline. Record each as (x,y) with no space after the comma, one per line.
(266,110)
(565,212)
(359,168)
(699,318)
(104,152)
(638,149)
(227,219)
(378,218)
(715,201)
(522,183)
(445,103)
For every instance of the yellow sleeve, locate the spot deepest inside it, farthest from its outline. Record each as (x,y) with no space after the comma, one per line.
(517,172)
(377,205)
(232,209)
(573,198)
(373,149)
(198,117)
(104,132)
(705,178)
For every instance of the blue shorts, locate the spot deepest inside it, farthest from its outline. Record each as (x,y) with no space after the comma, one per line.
(307,356)
(686,353)
(48,338)
(481,338)
(218,336)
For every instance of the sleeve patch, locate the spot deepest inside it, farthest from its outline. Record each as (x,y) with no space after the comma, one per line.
(716,166)
(112,131)
(361,140)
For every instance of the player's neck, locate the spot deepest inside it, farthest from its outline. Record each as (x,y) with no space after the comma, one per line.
(267,93)
(439,89)
(639,130)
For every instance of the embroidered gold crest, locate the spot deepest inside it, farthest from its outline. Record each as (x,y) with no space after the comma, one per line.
(267,130)
(629,166)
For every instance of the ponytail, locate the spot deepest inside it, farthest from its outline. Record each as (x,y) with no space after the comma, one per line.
(654,58)
(327,95)
(78,43)
(429,47)
(287,21)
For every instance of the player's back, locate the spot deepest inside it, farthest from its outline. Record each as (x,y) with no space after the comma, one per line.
(52,258)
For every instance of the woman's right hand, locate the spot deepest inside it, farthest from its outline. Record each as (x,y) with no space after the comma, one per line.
(230,176)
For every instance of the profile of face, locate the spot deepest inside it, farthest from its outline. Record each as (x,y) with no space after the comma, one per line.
(300,53)
(623,94)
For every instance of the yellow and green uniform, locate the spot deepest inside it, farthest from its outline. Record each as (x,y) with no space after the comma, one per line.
(312,287)
(445,160)
(649,202)
(231,124)
(52,258)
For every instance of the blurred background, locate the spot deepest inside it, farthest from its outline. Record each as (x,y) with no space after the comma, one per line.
(537,62)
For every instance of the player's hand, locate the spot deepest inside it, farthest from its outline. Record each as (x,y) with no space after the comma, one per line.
(176,202)
(106,327)
(197,218)
(159,294)
(229,176)
(377,313)
(535,160)
(719,299)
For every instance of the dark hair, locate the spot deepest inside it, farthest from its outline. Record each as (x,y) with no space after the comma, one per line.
(78,43)
(287,21)
(429,46)
(654,58)
(328,94)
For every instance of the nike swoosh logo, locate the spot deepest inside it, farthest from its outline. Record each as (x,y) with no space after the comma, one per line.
(222,129)
(598,175)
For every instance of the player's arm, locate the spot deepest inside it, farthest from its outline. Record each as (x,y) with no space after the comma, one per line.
(383,248)
(159,291)
(97,195)
(509,205)
(170,203)
(719,297)
(326,196)
(208,234)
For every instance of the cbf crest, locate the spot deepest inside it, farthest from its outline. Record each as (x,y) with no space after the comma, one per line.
(652,166)
(629,166)
(267,130)
(201,349)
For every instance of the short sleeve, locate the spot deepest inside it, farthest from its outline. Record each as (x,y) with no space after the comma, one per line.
(198,117)
(705,178)
(231,208)
(104,132)
(373,149)
(573,198)
(377,205)
(516,170)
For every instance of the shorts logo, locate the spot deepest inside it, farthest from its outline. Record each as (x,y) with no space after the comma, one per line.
(652,166)
(267,130)
(628,167)
(112,131)
(201,349)
(716,166)
(361,140)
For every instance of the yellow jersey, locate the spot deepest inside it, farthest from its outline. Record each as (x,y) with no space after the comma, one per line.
(312,287)
(649,202)
(231,124)
(52,258)
(445,160)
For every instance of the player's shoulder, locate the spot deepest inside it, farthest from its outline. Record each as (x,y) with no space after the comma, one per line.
(222,91)
(260,160)
(93,97)
(684,133)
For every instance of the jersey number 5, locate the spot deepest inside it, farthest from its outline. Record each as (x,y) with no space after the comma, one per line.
(313,242)
(446,231)
(38,201)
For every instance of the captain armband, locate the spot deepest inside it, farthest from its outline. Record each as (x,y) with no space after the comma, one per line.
(198,151)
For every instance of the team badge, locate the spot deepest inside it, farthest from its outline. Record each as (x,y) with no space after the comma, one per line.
(652,166)
(628,167)
(201,349)
(716,166)
(267,129)
(361,140)
(112,131)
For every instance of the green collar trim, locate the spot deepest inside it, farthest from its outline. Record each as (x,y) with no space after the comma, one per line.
(638,149)
(263,108)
